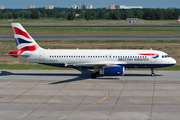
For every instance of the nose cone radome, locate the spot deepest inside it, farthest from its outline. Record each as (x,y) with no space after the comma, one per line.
(173,61)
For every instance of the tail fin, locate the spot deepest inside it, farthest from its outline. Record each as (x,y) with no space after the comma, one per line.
(23,40)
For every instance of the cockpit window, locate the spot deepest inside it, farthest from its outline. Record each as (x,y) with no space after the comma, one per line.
(165,56)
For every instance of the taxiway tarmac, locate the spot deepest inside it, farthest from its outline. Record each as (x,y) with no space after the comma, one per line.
(71,95)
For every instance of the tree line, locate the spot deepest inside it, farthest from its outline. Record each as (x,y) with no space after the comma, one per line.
(91,14)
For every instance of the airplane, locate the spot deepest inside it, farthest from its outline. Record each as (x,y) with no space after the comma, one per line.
(104,62)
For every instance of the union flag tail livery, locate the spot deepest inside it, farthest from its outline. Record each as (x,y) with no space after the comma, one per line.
(104,62)
(23,40)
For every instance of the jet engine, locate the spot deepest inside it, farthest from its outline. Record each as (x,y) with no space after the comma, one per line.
(112,71)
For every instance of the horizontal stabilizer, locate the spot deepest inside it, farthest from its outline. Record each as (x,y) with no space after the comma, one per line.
(17,55)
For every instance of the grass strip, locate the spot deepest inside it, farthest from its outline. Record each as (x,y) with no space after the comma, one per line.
(61,22)
(32,67)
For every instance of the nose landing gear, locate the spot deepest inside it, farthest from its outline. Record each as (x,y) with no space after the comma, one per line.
(152,72)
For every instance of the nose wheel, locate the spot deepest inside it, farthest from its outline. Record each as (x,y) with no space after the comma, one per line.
(152,72)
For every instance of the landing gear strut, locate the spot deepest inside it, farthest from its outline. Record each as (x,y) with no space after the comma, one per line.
(152,72)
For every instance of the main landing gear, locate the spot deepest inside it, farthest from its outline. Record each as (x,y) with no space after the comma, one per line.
(152,72)
(94,75)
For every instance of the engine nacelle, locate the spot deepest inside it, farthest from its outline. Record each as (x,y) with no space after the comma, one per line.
(112,71)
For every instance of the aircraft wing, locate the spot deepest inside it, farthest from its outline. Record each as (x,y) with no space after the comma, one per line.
(99,64)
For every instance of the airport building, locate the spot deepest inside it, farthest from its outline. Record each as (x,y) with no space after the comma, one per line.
(74,6)
(2,7)
(111,6)
(30,7)
(84,6)
(128,7)
(123,7)
(49,7)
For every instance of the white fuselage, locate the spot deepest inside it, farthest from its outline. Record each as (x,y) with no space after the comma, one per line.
(89,58)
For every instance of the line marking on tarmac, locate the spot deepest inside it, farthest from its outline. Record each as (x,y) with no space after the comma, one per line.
(89,104)
(106,97)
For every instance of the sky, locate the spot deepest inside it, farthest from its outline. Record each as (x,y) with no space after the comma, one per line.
(96,3)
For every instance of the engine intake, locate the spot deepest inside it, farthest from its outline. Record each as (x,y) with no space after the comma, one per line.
(112,71)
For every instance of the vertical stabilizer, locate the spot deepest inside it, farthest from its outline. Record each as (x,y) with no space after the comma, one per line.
(23,40)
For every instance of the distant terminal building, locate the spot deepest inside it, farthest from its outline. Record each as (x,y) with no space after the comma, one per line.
(74,6)
(123,7)
(2,7)
(111,6)
(129,7)
(84,6)
(87,6)
(30,7)
(49,7)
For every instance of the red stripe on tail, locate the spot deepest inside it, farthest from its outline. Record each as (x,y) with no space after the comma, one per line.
(20,51)
(20,32)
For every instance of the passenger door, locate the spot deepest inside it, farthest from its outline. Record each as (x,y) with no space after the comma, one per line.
(41,56)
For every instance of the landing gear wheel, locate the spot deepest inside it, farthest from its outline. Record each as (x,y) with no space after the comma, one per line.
(94,75)
(153,74)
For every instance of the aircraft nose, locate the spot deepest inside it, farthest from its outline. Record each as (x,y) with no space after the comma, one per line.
(173,61)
